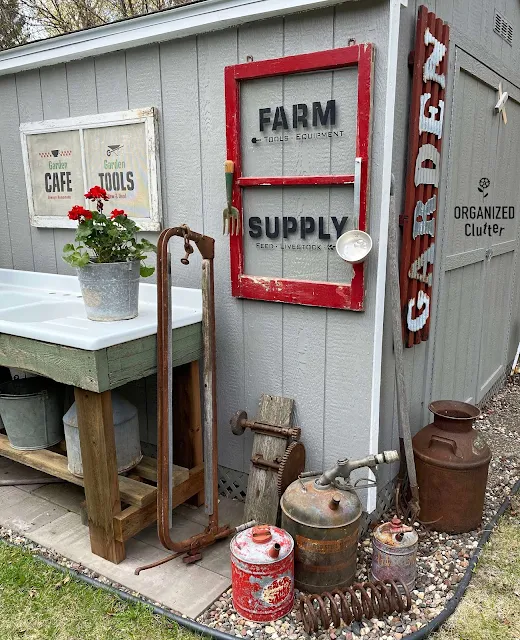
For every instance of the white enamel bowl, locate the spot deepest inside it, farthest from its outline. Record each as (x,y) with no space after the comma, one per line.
(354,246)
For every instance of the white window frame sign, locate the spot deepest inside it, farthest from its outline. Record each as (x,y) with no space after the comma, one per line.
(147,115)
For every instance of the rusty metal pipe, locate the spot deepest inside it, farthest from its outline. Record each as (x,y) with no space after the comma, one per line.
(213,532)
(345,467)
(258,461)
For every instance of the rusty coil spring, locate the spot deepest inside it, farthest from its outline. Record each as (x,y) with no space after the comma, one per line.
(374,600)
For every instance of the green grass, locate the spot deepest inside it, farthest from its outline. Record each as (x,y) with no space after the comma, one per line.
(39,602)
(490,608)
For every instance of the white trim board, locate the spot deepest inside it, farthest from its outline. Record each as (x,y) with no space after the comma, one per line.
(178,22)
(392,57)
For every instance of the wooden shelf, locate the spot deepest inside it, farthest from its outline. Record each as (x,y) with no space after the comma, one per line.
(132,492)
(147,469)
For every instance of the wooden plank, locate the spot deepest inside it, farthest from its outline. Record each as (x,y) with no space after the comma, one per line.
(147,469)
(98,370)
(134,519)
(63,364)
(194,484)
(138,358)
(98,456)
(262,500)
(131,520)
(55,464)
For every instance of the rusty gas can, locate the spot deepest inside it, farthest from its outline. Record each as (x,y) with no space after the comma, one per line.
(394,553)
(452,461)
(262,573)
(324,522)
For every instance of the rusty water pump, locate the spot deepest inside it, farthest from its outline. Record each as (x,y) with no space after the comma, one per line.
(322,512)
(191,546)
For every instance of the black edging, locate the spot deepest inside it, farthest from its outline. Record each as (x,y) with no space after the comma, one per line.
(187,623)
(453,602)
(192,625)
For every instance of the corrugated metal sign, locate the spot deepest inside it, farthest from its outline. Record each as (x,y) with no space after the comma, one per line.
(422,186)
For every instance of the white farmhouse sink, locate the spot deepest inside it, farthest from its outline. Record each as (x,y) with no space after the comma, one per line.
(48,307)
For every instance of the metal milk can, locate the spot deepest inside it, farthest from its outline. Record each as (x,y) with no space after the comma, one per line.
(323,516)
(126,433)
(394,553)
(262,573)
(452,461)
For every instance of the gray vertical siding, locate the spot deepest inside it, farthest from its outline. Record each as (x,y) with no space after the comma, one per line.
(470,336)
(321,358)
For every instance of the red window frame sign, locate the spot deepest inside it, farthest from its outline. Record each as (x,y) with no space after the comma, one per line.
(306,292)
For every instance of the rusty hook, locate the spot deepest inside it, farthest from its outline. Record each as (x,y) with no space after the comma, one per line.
(187,246)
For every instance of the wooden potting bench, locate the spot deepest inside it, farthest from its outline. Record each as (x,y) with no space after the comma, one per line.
(118,506)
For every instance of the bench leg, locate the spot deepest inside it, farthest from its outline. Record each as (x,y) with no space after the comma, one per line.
(98,455)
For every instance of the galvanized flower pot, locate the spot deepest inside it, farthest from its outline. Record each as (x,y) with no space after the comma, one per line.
(110,290)
(31,413)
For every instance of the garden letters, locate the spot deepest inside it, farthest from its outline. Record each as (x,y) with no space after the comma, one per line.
(422,186)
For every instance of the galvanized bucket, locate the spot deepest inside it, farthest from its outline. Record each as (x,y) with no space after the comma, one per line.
(110,290)
(126,432)
(31,413)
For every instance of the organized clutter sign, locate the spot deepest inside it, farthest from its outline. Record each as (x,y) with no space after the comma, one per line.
(117,151)
(298,132)
(430,65)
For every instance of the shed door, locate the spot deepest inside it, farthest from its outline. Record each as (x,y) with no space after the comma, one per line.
(477,263)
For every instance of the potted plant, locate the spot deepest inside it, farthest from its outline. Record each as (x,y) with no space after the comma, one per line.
(109,259)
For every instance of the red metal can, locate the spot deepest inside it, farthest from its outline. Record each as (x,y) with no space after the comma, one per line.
(262,573)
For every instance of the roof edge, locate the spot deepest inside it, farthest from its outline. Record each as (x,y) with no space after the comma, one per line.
(185,20)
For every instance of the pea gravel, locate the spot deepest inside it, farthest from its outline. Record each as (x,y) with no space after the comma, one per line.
(442,558)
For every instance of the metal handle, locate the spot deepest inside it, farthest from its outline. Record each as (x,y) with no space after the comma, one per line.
(357,190)
(446,441)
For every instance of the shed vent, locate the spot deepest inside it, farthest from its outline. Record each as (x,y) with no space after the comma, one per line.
(503,28)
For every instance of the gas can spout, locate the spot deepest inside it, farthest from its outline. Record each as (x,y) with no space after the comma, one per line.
(345,467)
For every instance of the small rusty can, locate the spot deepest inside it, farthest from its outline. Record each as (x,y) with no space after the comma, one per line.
(394,553)
(262,573)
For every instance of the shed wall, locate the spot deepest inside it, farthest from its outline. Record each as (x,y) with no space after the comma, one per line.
(321,358)
(471,32)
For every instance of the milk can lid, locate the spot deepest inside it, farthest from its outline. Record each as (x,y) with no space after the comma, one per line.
(262,544)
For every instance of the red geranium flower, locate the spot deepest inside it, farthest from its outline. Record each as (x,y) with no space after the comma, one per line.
(96,193)
(117,212)
(78,212)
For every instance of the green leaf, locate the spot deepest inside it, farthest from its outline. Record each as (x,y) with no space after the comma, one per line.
(77,258)
(146,271)
(84,230)
(147,246)
(68,248)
